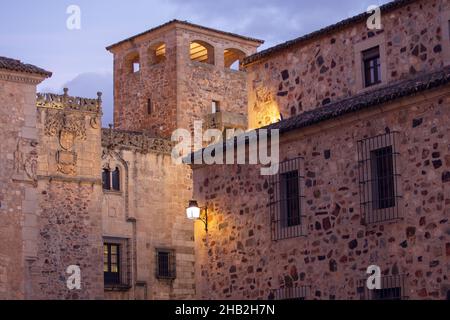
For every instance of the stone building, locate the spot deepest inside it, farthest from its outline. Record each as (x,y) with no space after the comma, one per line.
(364,167)
(364,174)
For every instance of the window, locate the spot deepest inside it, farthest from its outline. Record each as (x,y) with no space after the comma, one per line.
(233,59)
(149,106)
(116,264)
(379,189)
(111,263)
(286,201)
(111,180)
(289,194)
(132,63)
(383,192)
(215,106)
(291,294)
(106,179)
(372,66)
(157,53)
(165,264)
(136,67)
(392,288)
(201,51)
(116,180)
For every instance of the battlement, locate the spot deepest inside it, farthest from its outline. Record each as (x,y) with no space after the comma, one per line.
(66,102)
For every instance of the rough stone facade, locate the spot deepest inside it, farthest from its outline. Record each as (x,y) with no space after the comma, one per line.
(18,178)
(316,71)
(237,259)
(148,214)
(180,90)
(68,228)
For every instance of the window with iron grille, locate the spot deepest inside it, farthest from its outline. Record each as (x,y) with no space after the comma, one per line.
(372,66)
(286,201)
(292,294)
(116,263)
(379,178)
(165,264)
(392,288)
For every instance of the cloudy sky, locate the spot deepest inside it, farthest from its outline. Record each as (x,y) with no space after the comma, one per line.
(35,31)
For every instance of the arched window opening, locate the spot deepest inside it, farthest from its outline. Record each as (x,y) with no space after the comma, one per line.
(116,180)
(106,179)
(157,53)
(233,59)
(201,51)
(133,63)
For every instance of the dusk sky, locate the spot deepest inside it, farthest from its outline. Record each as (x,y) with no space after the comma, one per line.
(35,31)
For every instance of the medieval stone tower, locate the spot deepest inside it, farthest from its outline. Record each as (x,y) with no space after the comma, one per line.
(179,72)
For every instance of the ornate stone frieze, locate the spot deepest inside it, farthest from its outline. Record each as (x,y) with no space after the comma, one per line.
(135,140)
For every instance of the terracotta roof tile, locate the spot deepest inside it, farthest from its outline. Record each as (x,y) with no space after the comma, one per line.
(18,66)
(325,31)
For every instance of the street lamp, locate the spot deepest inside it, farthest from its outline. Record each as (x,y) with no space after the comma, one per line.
(194,212)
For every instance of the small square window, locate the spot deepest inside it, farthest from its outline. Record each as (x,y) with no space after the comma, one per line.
(136,67)
(165,264)
(372,66)
(215,106)
(149,106)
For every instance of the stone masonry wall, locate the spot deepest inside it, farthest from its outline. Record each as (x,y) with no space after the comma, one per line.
(325,69)
(68,229)
(238,260)
(18,158)
(157,82)
(201,83)
(149,211)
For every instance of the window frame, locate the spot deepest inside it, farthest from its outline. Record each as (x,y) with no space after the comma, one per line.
(108,274)
(278,202)
(171,273)
(301,293)
(124,259)
(372,213)
(359,49)
(371,59)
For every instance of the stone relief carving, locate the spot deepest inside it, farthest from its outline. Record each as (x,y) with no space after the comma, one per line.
(25,161)
(67,127)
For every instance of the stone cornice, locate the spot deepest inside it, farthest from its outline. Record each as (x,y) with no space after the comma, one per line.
(21,77)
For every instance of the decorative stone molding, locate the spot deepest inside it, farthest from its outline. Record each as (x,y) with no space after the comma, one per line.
(21,78)
(137,141)
(25,161)
(67,127)
(66,102)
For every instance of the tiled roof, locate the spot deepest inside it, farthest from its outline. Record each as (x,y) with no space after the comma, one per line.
(325,31)
(359,102)
(186,23)
(18,66)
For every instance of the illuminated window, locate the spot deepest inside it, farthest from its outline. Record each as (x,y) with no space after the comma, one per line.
(157,53)
(111,263)
(201,51)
